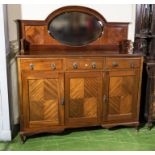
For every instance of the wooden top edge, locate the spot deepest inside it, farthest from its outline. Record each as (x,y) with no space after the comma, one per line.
(48,54)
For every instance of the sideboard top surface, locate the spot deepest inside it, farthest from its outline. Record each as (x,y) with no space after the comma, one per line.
(63,53)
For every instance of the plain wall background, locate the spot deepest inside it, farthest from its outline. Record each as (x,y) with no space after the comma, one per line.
(5,131)
(14,12)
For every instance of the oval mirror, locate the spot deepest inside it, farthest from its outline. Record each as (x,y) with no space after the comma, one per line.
(75,28)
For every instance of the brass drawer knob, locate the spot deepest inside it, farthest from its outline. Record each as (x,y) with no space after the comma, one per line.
(114,64)
(75,65)
(31,66)
(93,65)
(53,66)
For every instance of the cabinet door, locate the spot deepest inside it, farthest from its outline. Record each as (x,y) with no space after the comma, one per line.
(42,99)
(122,96)
(83,98)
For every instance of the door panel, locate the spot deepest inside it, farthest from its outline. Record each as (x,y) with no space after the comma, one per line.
(122,95)
(42,97)
(83,97)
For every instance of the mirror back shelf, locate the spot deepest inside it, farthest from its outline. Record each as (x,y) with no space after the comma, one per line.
(70,28)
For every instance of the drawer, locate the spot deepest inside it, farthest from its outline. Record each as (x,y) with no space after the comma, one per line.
(123,63)
(41,64)
(84,64)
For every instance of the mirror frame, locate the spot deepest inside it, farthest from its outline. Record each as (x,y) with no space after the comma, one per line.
(75,8)
(79,9)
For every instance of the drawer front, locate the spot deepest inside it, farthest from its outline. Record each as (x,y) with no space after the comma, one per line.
(41,64)
(84,64)
(114,63)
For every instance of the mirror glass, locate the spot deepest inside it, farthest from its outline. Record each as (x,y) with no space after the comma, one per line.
(75,28)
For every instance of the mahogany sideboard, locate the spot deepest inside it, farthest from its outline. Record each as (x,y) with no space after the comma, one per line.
(62,86)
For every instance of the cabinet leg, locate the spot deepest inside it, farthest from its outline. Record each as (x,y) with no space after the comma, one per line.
(137,127)
(22,138)
(149,125)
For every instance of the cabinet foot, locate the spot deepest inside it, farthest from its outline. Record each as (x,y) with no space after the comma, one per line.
(149,125)
(22,138)
(137,128)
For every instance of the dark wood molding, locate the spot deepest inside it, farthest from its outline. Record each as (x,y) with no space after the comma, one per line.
(150,96)
(145,44)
